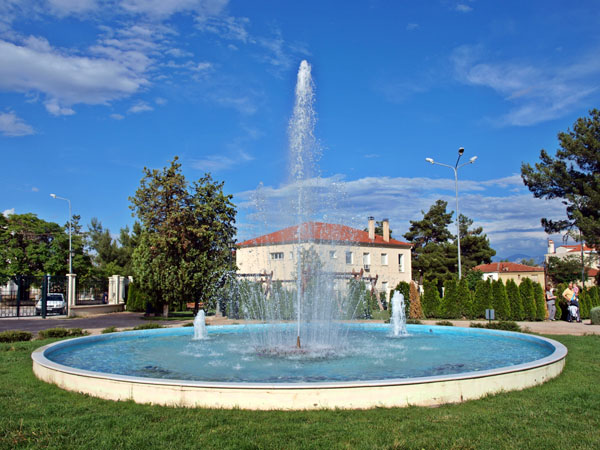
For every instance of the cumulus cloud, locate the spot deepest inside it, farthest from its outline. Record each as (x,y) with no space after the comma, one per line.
(461,7)
(140,107)
(68,7)
(162,8)
(536,93)
(215,163)
(8,212)
(11,125)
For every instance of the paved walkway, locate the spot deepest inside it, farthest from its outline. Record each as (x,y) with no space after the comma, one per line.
(124,320)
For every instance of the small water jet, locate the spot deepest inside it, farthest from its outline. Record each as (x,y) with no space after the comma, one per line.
(200,326)
(398,319)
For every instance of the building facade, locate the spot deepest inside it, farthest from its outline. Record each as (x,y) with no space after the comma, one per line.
(381,261)
(512,271)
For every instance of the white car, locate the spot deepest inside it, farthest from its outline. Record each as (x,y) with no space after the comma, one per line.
(55,303)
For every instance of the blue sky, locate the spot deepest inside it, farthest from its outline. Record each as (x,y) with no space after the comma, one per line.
(92,91)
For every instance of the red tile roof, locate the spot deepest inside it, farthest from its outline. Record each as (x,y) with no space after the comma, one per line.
(319,232)
(507,267)
(577,248)
(591,272)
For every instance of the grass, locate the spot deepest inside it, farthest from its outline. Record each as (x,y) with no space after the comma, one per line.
(562,413)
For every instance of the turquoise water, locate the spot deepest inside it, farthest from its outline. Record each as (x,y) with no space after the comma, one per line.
(370,353)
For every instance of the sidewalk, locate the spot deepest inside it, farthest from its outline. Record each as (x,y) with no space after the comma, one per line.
(123,320)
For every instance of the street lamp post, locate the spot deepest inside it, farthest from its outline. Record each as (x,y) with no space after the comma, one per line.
(455,169)
(70,219)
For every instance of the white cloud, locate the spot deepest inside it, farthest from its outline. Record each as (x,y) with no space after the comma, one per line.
(140,107)
(68,7)
(117,116)
(412,26)
(461,7)
(11,125)
(214,163)
(164,8)
(535,93)
(8,212)
(35,189)
(65,80)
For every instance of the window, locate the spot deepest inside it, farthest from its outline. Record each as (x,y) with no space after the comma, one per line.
(277,255)
(384,287)
(332,254)
(400,262)
(349,258)
(384,259)
(367,261)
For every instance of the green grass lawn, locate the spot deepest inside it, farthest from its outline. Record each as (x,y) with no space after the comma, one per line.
(563,413)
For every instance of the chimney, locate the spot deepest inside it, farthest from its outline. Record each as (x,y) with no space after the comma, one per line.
(386,230)
(372,228)
(550,246)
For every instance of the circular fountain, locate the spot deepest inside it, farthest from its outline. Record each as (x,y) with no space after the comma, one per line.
(307,352)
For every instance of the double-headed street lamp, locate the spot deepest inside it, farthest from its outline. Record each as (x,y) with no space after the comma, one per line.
(70,219)
(455,168)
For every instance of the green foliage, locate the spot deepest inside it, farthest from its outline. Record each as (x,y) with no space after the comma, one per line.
(464,298)
(564,270)
(540,301)
(594,294)
(595,315)
(109,330)
(572,176)
(404,288)
(528,299)
(473,277)
(445,323)
(500,300)
(414,322)
(60,332)
(148,326)
(483,298)
(15,336)
(474,246)
(451,307)
(187,238)
(514,300)
(500,325)
(584,306)
(137,300)
(431,301)
(112,256)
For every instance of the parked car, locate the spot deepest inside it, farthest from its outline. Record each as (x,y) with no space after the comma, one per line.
(55,303)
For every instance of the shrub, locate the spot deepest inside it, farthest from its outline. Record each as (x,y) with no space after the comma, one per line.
(15,336)
(540,302)
(514,300)
(463,297)
(135,299)
(445,323)
(527,296)
(483,298)
(148,326)
(415,311)
(500,300)
(431,299)
(413,321)
(595,315)
(109,330)
(61,333)
(500,325)
(450,306)
(188,324)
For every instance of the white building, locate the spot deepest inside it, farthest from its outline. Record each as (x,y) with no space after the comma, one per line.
(380,260)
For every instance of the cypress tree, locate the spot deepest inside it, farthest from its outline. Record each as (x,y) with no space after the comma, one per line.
(540,302)
(595,297)
(584,304)
(415,312)
(483,298)
(450,306)
(465,302)
(431,299)
(514,299)
(500,300)
(526,291)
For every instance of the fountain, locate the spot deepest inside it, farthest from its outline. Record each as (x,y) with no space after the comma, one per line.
(306,351)
(398,319)
(200,326)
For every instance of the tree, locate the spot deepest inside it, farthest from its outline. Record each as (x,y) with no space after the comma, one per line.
(112,256)
(474,245)
(415,312)
(450,302)
(500,300)
(432,228)
(514,300)
(431,299)
(529,262)
(528,299)
(564,270)
(572,176)
(187,239)
(483,298)
(540,302)
(464,299)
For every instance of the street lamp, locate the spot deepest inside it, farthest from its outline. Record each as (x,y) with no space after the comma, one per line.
(455,168)
(70,218)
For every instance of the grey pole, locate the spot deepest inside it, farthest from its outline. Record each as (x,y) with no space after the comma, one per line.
(455,168)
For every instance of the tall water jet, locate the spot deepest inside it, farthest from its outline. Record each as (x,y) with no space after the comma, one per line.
(200,326)
(398,315)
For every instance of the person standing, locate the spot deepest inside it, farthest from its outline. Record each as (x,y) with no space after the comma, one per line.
(550,302)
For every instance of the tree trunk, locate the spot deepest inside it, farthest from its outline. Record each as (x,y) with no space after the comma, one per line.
(165,312)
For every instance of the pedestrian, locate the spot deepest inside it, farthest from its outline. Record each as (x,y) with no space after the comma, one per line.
(550,302)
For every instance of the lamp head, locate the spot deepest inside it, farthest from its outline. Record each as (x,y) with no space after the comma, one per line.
(429,160)
(472,160)
(461,151)
(53,195)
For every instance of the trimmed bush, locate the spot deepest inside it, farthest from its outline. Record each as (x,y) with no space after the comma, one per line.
(415,311)
(595,315)
(450,305)
(188,324)
(514,300)
(15,336)
(148,326)
(61,333)
(500,300)
(463,296)
(527,296)
(505,325)
(483,298)
(445,323)
(414,322)
(431,299)
(109,330)
(540,302)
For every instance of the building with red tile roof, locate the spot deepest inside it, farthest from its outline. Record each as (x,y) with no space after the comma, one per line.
(590,257)
(342,249)
(511,271)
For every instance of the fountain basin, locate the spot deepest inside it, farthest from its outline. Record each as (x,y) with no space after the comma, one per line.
(252,381)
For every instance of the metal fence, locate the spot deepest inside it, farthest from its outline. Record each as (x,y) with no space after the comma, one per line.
(21,296)
(91,292)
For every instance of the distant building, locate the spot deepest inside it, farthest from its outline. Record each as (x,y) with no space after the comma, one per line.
(381,261)
(590,257)
(511,271)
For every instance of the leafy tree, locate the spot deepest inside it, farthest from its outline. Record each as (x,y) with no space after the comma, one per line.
(529,262)
(187,239)
(431,299)
(500,300)
(474,245)
(572,176)
(528,299)
(464,299)
(514,300)
(540,301)
(483,298)
(473,277)
(565,270)
(450,303)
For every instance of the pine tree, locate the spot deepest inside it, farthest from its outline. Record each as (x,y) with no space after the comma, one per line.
(526,291)
(483,298)
(500,300)
(540,303)
(431,299)
(465,301)
(415,311)
(450,305)
(514,299)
